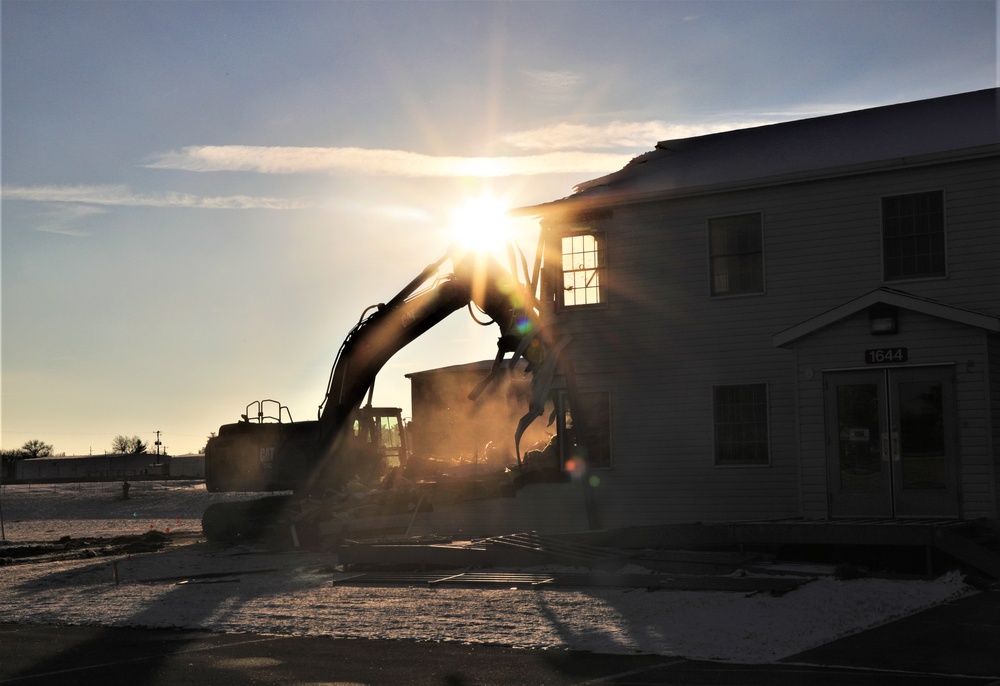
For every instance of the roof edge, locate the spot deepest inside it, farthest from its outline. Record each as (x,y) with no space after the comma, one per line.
(574,202)
(478,366)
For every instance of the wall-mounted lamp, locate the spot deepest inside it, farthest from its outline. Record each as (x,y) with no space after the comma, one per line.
(881,319)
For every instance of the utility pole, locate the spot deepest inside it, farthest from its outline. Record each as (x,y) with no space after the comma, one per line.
(157,444)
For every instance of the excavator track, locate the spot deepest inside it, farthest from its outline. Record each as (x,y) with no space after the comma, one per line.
(242,521)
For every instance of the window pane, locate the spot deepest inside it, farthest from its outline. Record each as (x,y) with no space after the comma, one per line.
(736,245)
(924,460)
(741,424)
(583,269)
(593,430)
(913,235)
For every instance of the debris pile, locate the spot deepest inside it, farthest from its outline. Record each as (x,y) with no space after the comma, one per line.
(68,548)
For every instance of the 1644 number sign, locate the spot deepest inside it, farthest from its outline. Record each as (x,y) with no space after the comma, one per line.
(886,355)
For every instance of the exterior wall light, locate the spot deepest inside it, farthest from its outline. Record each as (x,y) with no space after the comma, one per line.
(881,319)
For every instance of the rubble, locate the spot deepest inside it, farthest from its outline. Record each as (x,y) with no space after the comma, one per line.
(68,548)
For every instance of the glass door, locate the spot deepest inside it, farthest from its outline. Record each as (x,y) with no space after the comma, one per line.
(858,473)
(891,442)
(923,442)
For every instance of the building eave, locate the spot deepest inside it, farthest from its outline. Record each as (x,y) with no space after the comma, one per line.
(597,198)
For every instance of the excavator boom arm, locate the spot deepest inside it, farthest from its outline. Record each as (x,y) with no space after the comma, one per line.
(475,278)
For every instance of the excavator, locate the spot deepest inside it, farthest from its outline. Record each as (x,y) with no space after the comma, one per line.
(351,447)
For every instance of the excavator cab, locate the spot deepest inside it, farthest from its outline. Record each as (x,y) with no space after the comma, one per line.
(378,445)
(388,434)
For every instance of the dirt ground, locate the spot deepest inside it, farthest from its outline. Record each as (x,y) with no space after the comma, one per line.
(84,555)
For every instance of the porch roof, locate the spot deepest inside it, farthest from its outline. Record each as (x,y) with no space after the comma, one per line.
(892,297)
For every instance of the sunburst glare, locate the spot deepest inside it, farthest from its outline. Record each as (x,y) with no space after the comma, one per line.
(481,224)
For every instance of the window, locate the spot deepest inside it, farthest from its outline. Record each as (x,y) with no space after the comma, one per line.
(741,424)
(737,254)
(583,269)
(913,235)
(591,430)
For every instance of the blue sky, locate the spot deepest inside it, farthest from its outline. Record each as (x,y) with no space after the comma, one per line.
(200,198)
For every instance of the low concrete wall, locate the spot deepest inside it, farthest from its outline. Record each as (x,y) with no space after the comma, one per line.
(187,467)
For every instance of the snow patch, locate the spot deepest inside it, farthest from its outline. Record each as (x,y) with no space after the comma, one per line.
(244,589)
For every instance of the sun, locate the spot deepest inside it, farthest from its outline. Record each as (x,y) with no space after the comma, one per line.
(481,224)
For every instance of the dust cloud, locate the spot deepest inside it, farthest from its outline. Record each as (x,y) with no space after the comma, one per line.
(449,427)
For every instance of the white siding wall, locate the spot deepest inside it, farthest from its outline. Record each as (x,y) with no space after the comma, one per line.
(662,342)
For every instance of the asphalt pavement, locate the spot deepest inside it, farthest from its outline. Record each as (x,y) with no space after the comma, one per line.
(955,643)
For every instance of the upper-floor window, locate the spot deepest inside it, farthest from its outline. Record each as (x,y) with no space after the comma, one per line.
(740,424)
(583,269)
(736,245)
(913,236)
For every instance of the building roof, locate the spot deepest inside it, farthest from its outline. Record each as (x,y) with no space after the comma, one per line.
(820,145)
(482,366)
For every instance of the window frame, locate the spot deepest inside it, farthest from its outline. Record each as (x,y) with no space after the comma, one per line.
(883,240)
(600,269)
(766,426)
(564,407)
(711,256)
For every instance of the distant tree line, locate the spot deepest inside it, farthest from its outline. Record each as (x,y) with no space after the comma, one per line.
(121,445)
(128,445)
(32,448)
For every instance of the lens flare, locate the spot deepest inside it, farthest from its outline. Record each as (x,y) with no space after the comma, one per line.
(481,224)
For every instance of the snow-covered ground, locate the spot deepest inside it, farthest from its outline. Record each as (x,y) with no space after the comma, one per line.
(296,594)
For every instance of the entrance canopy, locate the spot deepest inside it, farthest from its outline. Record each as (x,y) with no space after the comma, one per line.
(892,298)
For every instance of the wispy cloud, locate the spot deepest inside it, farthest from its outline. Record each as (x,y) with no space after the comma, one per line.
(616,134)
(102,195)
(298,160)
(61,218)
(556,149)
(551,82)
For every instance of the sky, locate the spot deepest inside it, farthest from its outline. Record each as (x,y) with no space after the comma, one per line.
(200,199)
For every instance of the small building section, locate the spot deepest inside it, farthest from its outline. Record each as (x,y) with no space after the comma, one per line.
(448,425)
(191,466)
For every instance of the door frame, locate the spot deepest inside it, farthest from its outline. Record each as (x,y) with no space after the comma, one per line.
(887,496)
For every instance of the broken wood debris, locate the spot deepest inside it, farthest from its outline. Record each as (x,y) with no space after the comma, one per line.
(532,550)
(651,582)
(188,578)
